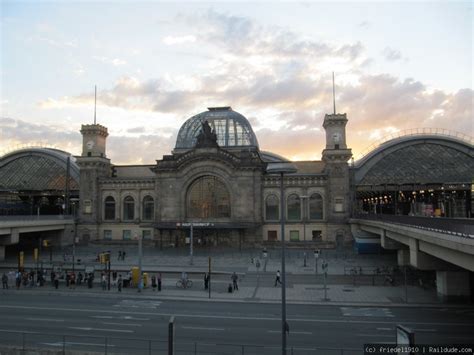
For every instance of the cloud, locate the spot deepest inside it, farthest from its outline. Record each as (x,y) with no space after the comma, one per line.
(281,80)
(364,24)
(111,61)
(171,40)
(392,54)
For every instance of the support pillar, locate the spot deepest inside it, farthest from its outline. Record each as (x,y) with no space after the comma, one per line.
(403,257)
(453,286)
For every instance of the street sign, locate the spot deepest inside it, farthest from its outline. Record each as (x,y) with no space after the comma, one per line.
(199,224)
(316,253)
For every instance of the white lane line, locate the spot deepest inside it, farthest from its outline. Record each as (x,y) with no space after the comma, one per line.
(425,330)
(124,324)
(385,329)
(124,317)
(307,333)
(103,330)
(73,343)
(17,331)
(46,319)
(134,318)
(203,316)
(103,317)
(203,328)
(376,335)
(291,332)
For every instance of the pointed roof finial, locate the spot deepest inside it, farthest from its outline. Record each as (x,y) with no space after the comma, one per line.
(333,93)
(95,102)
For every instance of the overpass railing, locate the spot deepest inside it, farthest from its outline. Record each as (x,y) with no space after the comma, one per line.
(455,226)
(36,218)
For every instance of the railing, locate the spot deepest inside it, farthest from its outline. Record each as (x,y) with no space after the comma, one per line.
(36,218)
(31,342)
(454,226)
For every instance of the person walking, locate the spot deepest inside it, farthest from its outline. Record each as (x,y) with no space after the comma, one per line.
(5,281)
(123,255)
(119,255)
(104,282)
(56,281)
(277,278)
(119,283)
(159,281)
(206,281)
(153,282)
(235,278)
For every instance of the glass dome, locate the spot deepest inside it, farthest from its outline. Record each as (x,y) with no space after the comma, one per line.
(232,129)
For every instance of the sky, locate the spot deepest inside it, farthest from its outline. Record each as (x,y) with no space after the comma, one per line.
(398,66)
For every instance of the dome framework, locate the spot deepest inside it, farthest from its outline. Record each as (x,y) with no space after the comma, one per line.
(231,128)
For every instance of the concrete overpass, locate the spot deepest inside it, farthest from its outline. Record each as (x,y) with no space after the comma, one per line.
(441,244)
(60,229)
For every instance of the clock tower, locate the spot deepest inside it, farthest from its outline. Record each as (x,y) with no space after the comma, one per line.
(335,156)
(94,166)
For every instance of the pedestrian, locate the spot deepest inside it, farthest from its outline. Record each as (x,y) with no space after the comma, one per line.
(235,278)
(90,279)
(52,275)
(229,288)
(18,280)
(277,278)
(56,281)
(68,279)
(104,282)
(79,278)
(206,281)
(119,255)
(5,281)
(153,282)
(123,255)
(72,281)
(119,283)
(159,281)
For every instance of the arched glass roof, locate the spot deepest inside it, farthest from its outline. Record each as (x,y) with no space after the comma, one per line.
(232,129)
(38,169)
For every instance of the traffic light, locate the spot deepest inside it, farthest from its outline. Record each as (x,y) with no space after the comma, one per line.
(104,258)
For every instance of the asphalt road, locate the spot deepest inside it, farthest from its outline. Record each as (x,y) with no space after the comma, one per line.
(90,322)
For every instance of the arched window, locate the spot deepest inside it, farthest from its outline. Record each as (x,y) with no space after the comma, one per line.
(128,208)
(272,208)
(208,198)
(109,208)
(315,206)
(294,208)
(148,208)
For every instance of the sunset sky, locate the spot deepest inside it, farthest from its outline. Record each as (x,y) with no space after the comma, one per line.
(399,65)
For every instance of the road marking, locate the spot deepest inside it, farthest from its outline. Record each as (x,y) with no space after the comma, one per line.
(103,330)
(293,332)
(124,324)
(124,317)
(203,328)
(46,319)
(17,331)
(385,329)
(425,330)
(203,316)
(73,343)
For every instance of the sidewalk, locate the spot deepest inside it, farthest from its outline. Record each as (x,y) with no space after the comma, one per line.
(300,289)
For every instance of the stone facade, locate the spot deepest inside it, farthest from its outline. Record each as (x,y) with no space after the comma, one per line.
(223,191)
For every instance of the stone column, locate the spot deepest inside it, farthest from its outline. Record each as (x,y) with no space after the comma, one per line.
(453,286)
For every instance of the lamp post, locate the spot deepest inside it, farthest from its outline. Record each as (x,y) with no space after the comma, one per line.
(282,169)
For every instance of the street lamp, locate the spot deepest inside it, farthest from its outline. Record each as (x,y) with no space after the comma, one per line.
(281,169)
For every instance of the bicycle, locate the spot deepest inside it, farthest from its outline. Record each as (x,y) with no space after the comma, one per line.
(184,284)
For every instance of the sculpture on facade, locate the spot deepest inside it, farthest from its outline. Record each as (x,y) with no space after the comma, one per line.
(207,138)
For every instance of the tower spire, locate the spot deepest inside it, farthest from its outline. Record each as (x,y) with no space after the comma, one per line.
(95,102)
(333,93)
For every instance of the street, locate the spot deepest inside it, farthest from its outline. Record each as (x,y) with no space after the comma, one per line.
(86,322)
